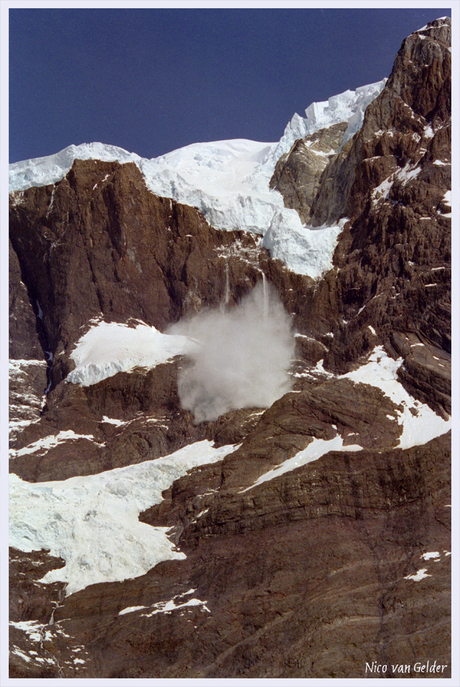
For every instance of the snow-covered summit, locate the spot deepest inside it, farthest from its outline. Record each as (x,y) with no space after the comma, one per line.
(228,181)
(41,171)
(348,106)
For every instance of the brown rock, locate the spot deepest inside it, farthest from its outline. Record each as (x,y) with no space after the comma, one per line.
(306,576)
(24,340)
(316,572)
(297,173)
(98,244)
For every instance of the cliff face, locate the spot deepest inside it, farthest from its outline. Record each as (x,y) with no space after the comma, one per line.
(392,180)
(318,540)
(396,246)
(298,173)
(402,127)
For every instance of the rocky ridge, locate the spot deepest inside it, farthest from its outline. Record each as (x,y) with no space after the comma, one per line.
(321,541)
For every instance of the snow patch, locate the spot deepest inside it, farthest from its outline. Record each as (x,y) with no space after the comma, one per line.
(404,175)
(171,605)
(382,191)
(37,632)
(16,366)
(430,554)
(419,575)
(448,201)
(21,654)
(114,421)
(92,521)
(108,348)
(132,609)
(408,173)
(420,424)
(314,451)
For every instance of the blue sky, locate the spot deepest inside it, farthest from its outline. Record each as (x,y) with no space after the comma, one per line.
(153,80)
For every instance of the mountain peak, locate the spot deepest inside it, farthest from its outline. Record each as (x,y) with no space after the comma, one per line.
(230,398)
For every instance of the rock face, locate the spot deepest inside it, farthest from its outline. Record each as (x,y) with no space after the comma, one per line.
(392,180)
(101,244)
(297,173)
(318,545)
(401,127)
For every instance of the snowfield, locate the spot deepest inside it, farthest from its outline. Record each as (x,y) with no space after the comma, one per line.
(111,347)
(228,181)
(420,424)
(92,522)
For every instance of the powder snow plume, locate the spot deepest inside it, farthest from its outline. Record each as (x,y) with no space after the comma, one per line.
(243,355)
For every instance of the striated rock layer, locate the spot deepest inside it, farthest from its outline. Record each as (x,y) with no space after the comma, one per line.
(317,543)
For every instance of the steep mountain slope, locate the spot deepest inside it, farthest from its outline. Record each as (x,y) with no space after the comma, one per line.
(230,419)
(228,181)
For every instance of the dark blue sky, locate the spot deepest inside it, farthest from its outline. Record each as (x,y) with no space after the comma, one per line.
(153,80)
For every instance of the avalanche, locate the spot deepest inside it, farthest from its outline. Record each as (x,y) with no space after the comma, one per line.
(228,181)
(108,348)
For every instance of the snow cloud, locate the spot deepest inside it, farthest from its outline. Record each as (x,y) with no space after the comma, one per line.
(243,355)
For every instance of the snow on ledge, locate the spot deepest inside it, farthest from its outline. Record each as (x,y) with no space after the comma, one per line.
(111,347)
(132,609)
(165,606)
(419,575)
(170,606)
(51,441)
(42,171)
(430,554)
(420,424)
(315,450)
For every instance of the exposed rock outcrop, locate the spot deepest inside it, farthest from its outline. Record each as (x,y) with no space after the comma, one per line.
(398,127)
(392,180)
(297,173)
(308,575)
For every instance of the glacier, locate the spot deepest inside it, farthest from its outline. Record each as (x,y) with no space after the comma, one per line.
(92,522)
(228,181)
